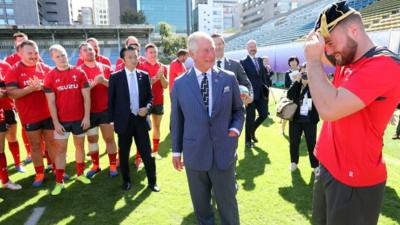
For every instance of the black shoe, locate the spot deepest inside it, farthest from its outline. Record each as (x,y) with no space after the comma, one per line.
(154,188)
(249,144)
(126,186)
(254,139)
(395,136)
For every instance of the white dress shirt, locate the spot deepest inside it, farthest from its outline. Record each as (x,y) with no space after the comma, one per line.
(199,76)
(131,77)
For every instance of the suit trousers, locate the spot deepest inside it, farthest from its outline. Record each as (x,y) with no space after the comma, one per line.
(251,122)
(335,203)
(296,129)
(223,184)
(138,129)
(398,127)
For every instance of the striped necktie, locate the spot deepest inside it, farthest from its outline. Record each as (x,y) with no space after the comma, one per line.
(204,89)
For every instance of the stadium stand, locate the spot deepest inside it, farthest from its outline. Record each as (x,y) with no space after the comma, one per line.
(291,26)
(383,15)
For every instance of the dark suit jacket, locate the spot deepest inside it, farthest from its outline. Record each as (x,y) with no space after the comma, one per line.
(257,79)
(235,67)
(119,99)
(296,94)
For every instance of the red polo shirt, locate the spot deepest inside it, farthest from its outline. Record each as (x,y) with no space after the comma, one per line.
(351,147)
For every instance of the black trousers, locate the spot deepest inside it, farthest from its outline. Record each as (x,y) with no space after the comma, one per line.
(335,203)
(251,122)
(398,127)
(295,131)
(137,129)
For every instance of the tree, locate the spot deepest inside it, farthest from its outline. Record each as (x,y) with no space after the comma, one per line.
(165,29)
(170,42)
(131,17)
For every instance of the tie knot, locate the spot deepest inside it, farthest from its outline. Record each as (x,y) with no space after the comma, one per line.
(204,75)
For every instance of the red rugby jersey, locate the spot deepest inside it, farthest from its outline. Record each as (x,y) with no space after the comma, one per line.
(32,107)
(176,68)
(67,87)
(351,147)
(99,93)
(156,88)
(7,103)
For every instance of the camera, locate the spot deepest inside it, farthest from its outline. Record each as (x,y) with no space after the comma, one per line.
(304,76)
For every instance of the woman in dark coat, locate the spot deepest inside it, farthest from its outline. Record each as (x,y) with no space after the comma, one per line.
(305,120)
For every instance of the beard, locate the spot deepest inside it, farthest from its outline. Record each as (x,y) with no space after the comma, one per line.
(346,56)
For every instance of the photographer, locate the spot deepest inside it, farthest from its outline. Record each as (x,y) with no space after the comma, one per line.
(304,120)
(293,63)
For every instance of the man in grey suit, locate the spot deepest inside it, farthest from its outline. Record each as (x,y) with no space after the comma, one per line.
(207,117)
(234,66)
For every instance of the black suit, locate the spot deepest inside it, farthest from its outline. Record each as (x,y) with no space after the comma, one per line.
(128,125)
(300,124)
(259,79)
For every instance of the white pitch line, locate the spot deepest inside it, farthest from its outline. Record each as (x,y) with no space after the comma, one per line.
(34,218)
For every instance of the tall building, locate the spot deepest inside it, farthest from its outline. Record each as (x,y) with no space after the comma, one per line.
(54,12)
(106,12)
(100,12)
(85,16)
(208,17)
(35,12)
(127,4)
(17,12)
(171,11)
(114,12)
(255,12)
(229,10)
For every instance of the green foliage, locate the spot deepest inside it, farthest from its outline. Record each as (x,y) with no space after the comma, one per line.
(170,42)
(131,17)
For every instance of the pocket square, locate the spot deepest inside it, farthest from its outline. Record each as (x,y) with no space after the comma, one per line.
(227,89)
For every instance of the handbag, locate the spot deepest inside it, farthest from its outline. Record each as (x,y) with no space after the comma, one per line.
(286,109)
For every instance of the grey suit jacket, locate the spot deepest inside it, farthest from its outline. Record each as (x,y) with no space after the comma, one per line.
(202,139)
(241,76)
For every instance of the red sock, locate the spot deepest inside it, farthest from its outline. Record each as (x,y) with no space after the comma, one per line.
(14,148)
(26,142)
(3,168)
(137,157)
(79,168)
(39,169)
(95,158)
(49,161)
(113,159)
(156,142)
(59,176)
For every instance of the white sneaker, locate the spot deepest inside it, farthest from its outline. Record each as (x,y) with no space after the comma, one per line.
(316,171)
(10,185)
(293,167)
(156,155)
(140,166)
